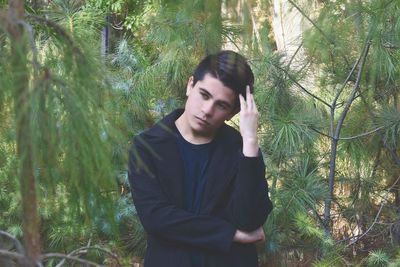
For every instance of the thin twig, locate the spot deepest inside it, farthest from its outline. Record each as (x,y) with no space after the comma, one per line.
(82,249)
(13,255)
(311,21)
(361,135)
(19,258)
(300,86)
(350,100)
(321,133)
(71,258)
(347,138)
(294,54)
(379,212)
(391,151)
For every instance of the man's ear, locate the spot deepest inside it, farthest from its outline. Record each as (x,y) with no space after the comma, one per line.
(189,85)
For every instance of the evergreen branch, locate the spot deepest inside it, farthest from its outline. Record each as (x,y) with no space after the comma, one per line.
(334,142)
(19,257)
(29,29)
(18,246)
(254,25)
(71,258)
(3,20)
(83,250)
(347,138)
(345,83)
(361,135)
(59,30)
(321,133)
(311,21)
(316,26)
(392,152)
(379,212)
(350,99)
(294,54)
(233,42)
(302,87)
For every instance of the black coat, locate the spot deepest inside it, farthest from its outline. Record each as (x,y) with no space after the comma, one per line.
(235,197)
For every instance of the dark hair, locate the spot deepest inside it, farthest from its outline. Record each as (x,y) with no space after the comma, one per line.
(230,68)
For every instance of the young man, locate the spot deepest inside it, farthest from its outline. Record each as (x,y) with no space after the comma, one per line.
(198,184)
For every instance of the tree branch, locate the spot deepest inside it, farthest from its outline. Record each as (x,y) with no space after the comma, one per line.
(311,21)
(392,152)
(336,133)
(18,246)
(12,255)
(59,30)
(71,258)
(348,138)
(294,54)
(301,87)
(361,135)
(377,215)
(29,30)
(83,250)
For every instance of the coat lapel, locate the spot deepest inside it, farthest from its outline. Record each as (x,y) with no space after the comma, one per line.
(173,171)
(169,162)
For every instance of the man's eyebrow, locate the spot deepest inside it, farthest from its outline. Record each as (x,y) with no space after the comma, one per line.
(227,104)
(204,91)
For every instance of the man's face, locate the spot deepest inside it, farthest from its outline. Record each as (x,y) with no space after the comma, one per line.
(208,105)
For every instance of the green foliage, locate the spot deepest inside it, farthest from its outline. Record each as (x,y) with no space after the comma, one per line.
(396,261)
(331,261)
(131,14)
(377,258)
(71,132)
(85,109)
(296,123)
(389,117)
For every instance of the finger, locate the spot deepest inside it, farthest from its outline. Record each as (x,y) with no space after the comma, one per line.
(248,98)
(242,102)
(255,105)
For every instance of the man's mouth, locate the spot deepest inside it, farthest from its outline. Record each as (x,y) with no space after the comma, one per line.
(202,121)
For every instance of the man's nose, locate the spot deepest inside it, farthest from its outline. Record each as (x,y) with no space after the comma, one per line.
(207,108)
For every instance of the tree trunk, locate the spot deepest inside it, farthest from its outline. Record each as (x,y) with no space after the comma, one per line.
(212,10)
(336,134)
(31,224)
(105,38)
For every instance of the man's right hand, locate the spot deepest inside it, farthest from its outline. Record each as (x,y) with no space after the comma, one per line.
(249,237)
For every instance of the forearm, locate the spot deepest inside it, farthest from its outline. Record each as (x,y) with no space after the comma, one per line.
(249,205)
(177,225)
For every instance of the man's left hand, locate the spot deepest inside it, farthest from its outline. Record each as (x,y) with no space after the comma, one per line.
(249,124)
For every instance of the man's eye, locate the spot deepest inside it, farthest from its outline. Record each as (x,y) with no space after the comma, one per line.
(205,96)
(222,107)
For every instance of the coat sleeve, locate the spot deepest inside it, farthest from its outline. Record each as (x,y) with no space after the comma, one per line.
(249,205)
(162,219)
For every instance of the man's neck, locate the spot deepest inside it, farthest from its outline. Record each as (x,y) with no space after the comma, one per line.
(188,134)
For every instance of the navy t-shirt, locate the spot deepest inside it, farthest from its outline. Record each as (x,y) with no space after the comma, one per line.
(196,159)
